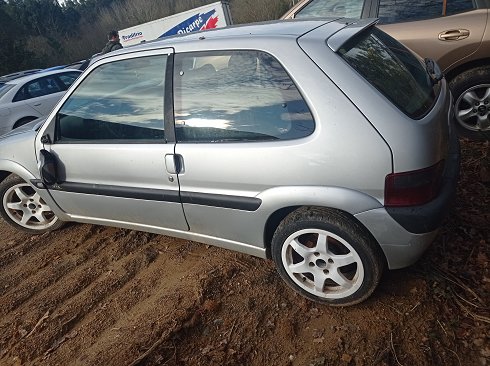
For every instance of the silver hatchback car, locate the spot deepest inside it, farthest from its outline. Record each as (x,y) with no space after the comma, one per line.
(324,145)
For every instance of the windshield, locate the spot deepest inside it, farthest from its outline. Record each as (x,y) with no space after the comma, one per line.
(331,8)
(392,69)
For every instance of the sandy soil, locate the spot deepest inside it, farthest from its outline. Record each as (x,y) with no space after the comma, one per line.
(91,295)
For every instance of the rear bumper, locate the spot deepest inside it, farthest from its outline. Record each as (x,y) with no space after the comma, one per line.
(401,248)
(405,233)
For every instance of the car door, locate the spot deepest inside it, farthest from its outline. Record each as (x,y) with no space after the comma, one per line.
(235,113)
(447,31)
(109,141)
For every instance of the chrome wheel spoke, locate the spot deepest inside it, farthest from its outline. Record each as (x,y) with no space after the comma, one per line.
(15,206)
(40,217)
(487,94)
(299,248)
(483,122)
(301,267)
(471,97)
(25,218)
(343,260)
(466,113)
(20,193)
(322,243)
(44,208)
(319,281)
(340,279)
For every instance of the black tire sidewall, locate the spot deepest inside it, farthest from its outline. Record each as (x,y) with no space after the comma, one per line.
(353,234)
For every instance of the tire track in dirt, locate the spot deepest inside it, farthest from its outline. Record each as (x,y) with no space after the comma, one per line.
(42,253)
(33,280)
(151,305)
(114,275)
(26,246)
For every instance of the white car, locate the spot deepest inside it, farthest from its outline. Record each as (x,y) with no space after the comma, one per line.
(29,97)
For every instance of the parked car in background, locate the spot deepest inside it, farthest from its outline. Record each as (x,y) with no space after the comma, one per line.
(324,145)
(16,75)
(29,97)
(455,33)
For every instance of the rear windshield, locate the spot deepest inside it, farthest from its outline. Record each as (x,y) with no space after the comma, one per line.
(392,69)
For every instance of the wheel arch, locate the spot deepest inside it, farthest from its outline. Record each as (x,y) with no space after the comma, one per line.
(28,118)
(278,216)
(453,73)
(8,167)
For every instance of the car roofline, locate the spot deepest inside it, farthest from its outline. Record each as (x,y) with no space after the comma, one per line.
(289,27)
(38,75)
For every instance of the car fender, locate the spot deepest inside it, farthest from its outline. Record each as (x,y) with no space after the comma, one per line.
(12,167)
(348,200)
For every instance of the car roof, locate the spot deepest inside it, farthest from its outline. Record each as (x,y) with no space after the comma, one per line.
(15,75)
(289,28)
(36,75)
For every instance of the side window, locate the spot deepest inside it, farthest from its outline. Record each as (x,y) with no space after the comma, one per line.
(391,11)
(331,8)
(122,100)
(459,6)
(237,96)
(37,88)
(68,78)
(42,87)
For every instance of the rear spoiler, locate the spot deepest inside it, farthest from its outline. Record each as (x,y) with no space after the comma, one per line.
(339,38)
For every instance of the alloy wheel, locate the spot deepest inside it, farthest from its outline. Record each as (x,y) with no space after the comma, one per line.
(26,208)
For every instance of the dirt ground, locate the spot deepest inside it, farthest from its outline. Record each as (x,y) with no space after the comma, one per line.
(92,295)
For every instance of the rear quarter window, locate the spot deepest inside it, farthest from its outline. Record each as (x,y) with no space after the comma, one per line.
(237,96)
(392,69)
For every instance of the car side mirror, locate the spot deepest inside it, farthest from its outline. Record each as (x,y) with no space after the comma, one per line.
(47,167)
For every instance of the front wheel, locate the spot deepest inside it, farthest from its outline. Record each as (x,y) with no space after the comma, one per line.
(471,90)
(23,208)
(327,256)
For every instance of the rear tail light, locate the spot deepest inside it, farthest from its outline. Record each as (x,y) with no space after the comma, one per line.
(413,188)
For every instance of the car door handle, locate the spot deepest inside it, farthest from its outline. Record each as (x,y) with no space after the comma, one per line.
(37,104)
(454,34)
(174,163)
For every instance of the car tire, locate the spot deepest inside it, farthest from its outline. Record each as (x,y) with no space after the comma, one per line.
(23,208)
(471,91)
(23,121)
(326,256)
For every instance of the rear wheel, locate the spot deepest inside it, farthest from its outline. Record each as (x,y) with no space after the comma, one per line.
(23,208)
(471,90)
(326,256)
